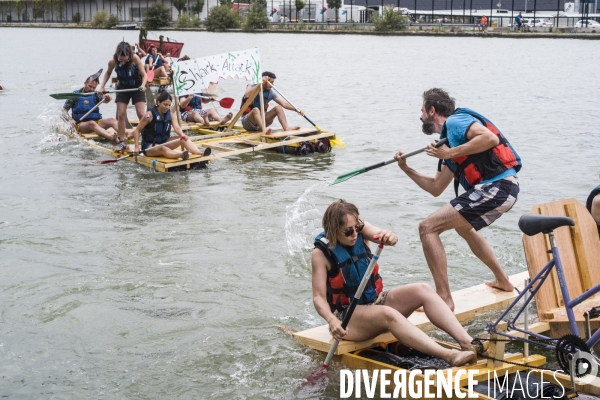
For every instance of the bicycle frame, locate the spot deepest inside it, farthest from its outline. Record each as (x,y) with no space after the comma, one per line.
(531,289)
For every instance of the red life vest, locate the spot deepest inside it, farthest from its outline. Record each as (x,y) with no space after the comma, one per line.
(476,168)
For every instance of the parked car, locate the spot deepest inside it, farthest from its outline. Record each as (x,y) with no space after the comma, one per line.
(543,22)
(590,24)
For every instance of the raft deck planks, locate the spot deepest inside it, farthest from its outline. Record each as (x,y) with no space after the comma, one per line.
(468,303)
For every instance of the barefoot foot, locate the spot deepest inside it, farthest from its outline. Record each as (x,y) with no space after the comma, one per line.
(294,128)
(503,285)
(268,131)
(227,118)
(459,358)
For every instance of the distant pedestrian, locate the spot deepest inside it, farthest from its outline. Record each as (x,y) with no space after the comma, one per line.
(483,24)
(519,21)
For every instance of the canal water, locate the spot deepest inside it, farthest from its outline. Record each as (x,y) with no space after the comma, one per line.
(118,282)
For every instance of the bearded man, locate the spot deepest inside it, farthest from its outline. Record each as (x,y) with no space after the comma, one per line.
(479,158)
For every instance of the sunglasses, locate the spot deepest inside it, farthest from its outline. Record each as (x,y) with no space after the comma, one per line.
(350,231)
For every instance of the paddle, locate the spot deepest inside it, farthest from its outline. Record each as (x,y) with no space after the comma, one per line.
(314,378)
(150,75)
(89,112)
(351,174)
(73,96)
(297,110)
(225,102)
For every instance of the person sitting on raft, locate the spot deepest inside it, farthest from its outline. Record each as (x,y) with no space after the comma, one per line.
(593,206)
(93,122)
(130,75)
(156,62)
(155,128)
(191,110)
(251,119)
(339,262)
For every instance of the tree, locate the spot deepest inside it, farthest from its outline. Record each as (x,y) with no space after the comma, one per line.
(157,16)
(76,18)
(198,6)
(179,5)
(119,8)
(18,9)
(222,17)
(300,4)
(257,16)
(58,8)
(37,9)
(390,20)
(335,4)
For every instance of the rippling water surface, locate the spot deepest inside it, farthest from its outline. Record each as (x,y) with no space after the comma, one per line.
(118,282)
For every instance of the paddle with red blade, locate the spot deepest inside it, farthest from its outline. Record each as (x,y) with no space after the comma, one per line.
(225,102)
(150,76)
(315,379)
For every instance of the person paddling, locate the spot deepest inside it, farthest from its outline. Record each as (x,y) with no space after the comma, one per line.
(130,75)
(251,119)
(339,262)
(155,128)
(479,158)
(93,122)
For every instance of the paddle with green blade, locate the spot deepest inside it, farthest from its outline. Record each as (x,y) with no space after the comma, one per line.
(74,96)
(358,171)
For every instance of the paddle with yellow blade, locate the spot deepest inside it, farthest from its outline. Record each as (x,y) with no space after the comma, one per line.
(351,174)
(335,142)
(74,96)
(314,380)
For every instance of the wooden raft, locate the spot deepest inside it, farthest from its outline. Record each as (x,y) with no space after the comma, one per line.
(468,303)
(579,250)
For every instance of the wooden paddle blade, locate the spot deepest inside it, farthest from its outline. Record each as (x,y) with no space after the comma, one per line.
(150,75)
(348,175)
(65,96)
(226,102)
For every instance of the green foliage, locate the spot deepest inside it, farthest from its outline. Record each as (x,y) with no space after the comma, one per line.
(300,4)
(228,3)
(221,18)
(99,18)
(184,21)
(179,5)
(157,16)
(19,9)
(58,8)
(195,23)
(257,16)
(112,21)
(390,20)
(335,4)
(38,9)
(198,6)
(76,18)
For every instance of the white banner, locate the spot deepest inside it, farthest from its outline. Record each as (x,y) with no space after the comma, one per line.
(194,76)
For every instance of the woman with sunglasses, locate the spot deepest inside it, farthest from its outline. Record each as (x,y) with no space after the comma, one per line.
(339,262)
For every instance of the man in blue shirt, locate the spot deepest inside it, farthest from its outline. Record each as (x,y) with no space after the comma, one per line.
(478,157)
(518,21)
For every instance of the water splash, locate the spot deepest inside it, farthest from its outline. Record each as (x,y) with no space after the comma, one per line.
(301,221)
(55,127)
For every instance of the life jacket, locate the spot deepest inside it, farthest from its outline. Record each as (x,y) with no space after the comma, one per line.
(159,129)
(157,60)
(256,102)
(83,105)
(128,77)
(348,266)
(475,168)
(194,104)
(588,203)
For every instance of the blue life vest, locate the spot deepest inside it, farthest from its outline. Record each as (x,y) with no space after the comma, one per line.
(158,130)
(128,77)
(256,102)
(475,168)
(157,60)
(588,203)
(194,104)
(83,105)
(348,266)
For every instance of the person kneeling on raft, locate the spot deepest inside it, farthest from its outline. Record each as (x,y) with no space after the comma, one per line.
(155,128)
(340,260)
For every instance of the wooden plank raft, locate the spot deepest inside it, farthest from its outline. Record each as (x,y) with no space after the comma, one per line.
(468,303)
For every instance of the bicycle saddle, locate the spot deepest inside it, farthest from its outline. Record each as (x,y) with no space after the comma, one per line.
(532,224)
